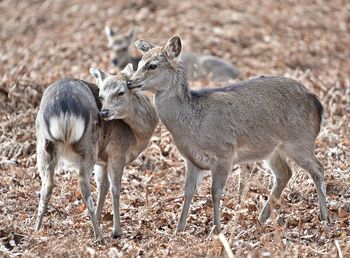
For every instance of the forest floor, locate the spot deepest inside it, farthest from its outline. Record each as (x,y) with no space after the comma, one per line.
(44,41)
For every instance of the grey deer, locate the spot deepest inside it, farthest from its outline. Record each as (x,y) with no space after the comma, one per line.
(67,127)
(266,118)
(129,121)
(198,66)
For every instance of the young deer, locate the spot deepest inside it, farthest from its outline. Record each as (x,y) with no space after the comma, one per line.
(67,127)
(129,122)
(198,66)
(266,118)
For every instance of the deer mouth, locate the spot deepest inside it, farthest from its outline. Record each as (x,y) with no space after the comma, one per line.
(136,86)
(131,86)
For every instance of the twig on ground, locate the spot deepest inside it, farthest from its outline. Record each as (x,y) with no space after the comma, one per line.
(226,245)
(340,254)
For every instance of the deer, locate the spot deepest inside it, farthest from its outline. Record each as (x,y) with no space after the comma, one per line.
(268,118)
(119,44)
(129,120)
(69,127)
(198,66)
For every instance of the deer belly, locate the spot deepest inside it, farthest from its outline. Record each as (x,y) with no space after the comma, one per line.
(246,155)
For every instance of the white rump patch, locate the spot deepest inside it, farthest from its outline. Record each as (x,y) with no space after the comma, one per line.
(67,127)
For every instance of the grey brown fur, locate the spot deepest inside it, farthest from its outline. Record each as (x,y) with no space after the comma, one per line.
(266,118)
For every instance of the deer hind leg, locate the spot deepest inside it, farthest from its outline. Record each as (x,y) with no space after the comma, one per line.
(283,173)
(101,178)
(46,163)
(193,179)
(85,171)
(316,171)
(308,161)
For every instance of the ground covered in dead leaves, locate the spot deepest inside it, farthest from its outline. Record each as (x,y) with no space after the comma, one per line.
(43,41)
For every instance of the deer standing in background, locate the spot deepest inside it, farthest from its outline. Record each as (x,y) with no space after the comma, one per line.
(129,121)
(120,45)
(68,127)
(198,66)
(266,118)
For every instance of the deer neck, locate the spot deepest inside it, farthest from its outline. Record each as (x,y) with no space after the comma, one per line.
(174,105)
(128,58)
(178,89)
(124,59)
(142,119)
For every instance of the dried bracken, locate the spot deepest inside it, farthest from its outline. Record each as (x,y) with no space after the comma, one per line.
(43,41)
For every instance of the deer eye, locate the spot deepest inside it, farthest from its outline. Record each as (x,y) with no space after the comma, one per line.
(152,67)
(120,93)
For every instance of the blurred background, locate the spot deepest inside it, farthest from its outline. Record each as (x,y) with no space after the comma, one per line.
(44,41)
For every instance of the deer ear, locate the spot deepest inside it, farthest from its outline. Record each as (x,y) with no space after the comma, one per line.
(173,47)
(98,75)
(128,71)
(144,46)
(109,32)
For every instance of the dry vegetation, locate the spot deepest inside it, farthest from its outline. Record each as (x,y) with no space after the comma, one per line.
(43,41)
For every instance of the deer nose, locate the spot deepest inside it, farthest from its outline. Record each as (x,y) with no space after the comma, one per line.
(104,113)
(115,61)
(128,83)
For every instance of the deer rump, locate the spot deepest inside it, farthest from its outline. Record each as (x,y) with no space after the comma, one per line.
(69,108)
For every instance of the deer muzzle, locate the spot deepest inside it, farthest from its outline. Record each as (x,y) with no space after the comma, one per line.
(104,113)
(131,85)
